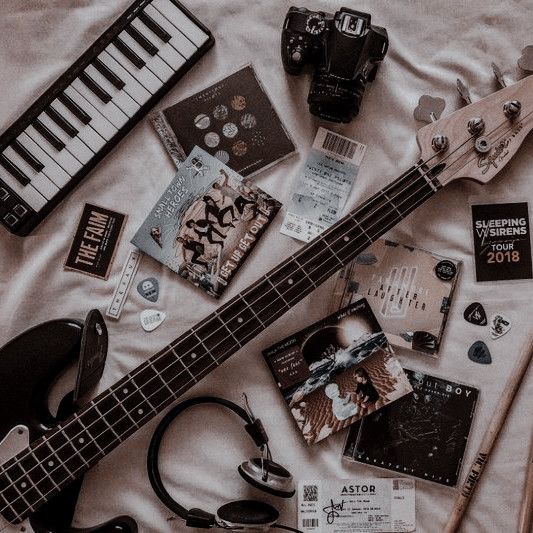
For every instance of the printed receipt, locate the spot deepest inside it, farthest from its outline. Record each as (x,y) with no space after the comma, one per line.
(324,185)
(366,505)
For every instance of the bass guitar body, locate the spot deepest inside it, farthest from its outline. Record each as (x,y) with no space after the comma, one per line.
(29,366)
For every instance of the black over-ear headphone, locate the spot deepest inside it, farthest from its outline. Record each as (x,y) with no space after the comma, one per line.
(262,473)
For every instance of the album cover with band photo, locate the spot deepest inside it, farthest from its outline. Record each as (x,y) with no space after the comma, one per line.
(336,371)
(409,289)
(423,434)
(206,222)
(233,120)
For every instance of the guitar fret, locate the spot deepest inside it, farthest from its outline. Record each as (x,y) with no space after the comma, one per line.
(54,454)
(62,432)
(252,310)
(240,319)
(203,345)
(52,464)
(277,292)
(193,355)
(77,418)
(392,203)
(126,412)
(225,326)
(95,407)
(341,263)
(8,509)
(20,489)
(304,271)
(151,365)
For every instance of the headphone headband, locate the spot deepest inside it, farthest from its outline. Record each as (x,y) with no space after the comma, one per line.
(197,517)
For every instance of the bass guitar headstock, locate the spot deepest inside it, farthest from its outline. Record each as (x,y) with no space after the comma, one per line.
(477,141)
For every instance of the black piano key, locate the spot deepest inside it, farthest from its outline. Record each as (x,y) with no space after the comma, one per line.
(108,74)
(14,170)
(27,156)
(62,122)
(125,50)
(150,23)
(102,94)
(142,40)
(48,135)
(74,108)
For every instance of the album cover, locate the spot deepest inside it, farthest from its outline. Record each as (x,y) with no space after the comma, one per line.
(410,290)
(423,434)
(206,222)
(336,371)
(232,120)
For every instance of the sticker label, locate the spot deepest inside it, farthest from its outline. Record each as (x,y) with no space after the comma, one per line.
(95,241)
(323,188)
(502,244)
(365,505)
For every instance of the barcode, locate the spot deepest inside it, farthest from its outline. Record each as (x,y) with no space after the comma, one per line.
(310,493)
(339,145)
(310,522)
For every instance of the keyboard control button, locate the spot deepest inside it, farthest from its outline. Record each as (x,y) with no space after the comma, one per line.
(10,219)
(20,210)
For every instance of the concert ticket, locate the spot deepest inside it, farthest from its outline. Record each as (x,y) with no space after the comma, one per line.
(365,505)
(323,188)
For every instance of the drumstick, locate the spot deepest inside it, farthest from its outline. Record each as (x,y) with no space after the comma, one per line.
(526,513)
(489,439)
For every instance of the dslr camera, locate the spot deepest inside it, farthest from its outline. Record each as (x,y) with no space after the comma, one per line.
(346,50)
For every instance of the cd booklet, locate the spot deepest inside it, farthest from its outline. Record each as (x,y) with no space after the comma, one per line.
(233,120)
(422,435)
(336,371)
(206,222)
(410,290)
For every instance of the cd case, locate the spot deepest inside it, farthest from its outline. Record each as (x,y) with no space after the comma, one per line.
(409,289)
(206,222)
(233,120)
(336,371)
(423,435)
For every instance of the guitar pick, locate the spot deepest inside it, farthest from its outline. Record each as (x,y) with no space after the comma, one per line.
(480,353)
(151,319)
(475,314)
(525,61)
(499,325)
(429,108)
(149,288)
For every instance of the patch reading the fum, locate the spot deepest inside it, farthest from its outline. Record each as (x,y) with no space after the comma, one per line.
(95,241)
(502,242)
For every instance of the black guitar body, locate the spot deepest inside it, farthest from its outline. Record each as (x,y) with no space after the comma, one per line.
(29,366)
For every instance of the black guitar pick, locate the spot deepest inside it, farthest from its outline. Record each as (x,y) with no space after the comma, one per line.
(475,314)
(480,353)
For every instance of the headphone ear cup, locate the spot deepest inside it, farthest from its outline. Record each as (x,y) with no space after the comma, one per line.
(268,476)
(246,513)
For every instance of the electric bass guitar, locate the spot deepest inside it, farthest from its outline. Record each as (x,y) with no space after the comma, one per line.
(475,142)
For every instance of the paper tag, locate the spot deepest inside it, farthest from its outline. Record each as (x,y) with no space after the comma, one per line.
(95,242)
(502,245)
(362,505)
(324,186)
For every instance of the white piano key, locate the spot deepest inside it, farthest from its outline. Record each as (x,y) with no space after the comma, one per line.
(105,128)
(134,88)
(166,51)
(183,45)
(38,179)
(120,98)
(143,75)
(28,193)
(173,13)
(54,172)
(154,63)
(76,147)
(109,110)
(86,133)
(62,157)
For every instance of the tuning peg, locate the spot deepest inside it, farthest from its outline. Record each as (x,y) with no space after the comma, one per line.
(429,108)
(498,75)
(464,92)
(525,61)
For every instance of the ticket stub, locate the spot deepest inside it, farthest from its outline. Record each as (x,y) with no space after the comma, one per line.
(357,505)
(324,185)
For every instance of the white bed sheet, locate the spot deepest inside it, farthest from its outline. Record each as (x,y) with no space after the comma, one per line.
(431,44)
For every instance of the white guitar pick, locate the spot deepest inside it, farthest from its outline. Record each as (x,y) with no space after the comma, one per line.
(499,325)
(151,319)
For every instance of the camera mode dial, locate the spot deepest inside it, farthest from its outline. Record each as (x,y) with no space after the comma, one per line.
(315,24)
